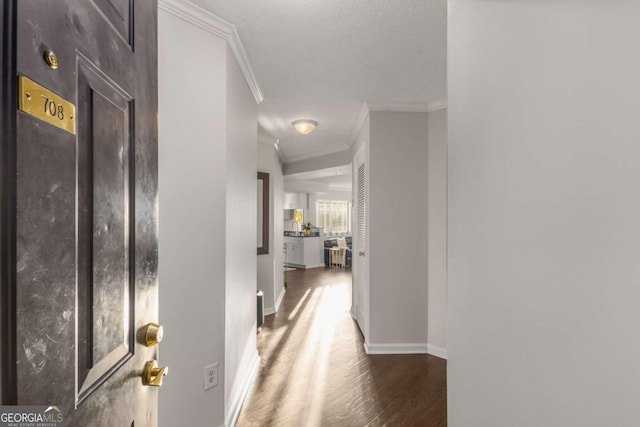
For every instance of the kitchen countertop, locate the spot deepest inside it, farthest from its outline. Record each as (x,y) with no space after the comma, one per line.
(290,235)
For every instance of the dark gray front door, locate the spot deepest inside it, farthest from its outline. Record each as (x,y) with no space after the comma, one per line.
(80,219)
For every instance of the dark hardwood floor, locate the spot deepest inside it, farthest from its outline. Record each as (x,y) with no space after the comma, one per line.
(314,371)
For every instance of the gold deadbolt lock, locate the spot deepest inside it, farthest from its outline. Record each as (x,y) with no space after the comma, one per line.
(51,59)
(150,334)
(152,375)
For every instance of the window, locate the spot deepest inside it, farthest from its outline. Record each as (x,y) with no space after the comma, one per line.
(334,216)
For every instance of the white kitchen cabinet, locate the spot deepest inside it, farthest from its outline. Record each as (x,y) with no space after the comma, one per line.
(298,250)
(288,200)
(303,251)
(291,250)
(296,201)
(311,252)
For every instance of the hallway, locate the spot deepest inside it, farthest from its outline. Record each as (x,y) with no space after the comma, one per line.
(314,371)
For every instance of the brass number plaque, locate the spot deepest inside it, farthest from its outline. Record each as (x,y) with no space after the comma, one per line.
(41,103)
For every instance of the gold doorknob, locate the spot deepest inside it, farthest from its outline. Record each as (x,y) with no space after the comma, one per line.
(152,374)
(151,334)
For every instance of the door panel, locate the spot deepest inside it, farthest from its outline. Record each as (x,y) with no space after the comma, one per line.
(119,14)
(105,292)
(45,270)
(85,271)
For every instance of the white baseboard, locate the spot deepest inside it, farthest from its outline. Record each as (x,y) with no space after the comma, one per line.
(436,351)
(414,348)
(279,299)
(247,381)
(307,267)
(273,310)
(395,348)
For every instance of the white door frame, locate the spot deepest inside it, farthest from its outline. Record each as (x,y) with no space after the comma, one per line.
(359,255)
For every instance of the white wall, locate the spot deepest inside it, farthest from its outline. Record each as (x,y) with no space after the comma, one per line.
(340,158)
(397,228)
(278,234)
(241,201)
(207,204)
(270,274)
(437,231)
(192,167)
(544,235)
(401,304)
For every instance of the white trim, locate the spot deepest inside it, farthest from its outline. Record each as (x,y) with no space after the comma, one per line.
(273,310)
(362,116)
(264,139)
(292,265)
(209,22)
(436,351)
(406,106)
(303,266)
(280,297)
(274,142)
(399,106)
(243,62)
(307,267)
(403,348)
(364,328)
(267,125)
(236,406)
(416,348)
(437,106)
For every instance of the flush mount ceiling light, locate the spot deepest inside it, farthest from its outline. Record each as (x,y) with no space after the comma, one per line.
(305,126)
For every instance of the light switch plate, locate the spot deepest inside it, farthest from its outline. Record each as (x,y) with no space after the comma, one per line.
(210,376)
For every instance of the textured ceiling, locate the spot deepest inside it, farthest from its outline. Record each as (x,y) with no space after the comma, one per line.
(320,59)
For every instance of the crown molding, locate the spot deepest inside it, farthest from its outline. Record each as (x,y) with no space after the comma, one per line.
(273,143)
(243,62)
(437,106)
(397,106)
(209,22)
(406,106)
(362,116)
(265,139)
(280,153)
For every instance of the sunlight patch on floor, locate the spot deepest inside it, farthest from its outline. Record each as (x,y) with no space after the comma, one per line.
(329,313)
(314,371)
(294,313)
(295,366)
